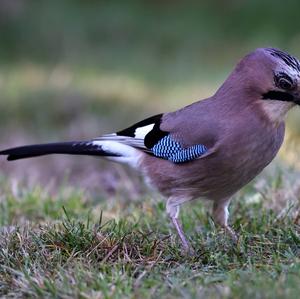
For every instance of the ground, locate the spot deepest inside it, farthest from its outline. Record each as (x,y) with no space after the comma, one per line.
(71,245)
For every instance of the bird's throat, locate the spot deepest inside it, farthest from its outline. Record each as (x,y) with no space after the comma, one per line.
(276,111)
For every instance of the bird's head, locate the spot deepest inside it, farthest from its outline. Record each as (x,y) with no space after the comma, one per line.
(284,83)
(270,78)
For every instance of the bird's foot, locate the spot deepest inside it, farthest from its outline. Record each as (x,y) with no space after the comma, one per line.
(231,233)
(188,249)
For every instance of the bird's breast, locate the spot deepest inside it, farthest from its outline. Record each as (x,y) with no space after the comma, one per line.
(243,157)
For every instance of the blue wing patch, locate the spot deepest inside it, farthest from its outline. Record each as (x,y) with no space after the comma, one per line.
(171,150)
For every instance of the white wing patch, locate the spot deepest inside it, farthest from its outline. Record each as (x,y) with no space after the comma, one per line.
(141,132)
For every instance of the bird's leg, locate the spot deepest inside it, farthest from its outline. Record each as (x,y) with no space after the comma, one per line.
(180,232)
(220,216)
(173,212)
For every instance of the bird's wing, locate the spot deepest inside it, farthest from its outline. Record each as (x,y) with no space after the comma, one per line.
(148,136)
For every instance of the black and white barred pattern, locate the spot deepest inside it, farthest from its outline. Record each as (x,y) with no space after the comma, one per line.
(171,150)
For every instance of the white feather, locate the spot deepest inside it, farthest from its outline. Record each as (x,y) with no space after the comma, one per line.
(131,141)
(127,153)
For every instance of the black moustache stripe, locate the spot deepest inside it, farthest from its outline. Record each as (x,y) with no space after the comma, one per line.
(278,95)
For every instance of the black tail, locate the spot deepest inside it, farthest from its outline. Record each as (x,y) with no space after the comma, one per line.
(71,148)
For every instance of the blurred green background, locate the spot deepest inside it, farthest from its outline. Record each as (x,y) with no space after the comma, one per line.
(78,69)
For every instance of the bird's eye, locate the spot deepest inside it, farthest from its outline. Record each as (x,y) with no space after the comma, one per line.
(283,81)
(285,84)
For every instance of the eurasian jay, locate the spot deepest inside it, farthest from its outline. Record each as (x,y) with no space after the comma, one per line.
(209,149)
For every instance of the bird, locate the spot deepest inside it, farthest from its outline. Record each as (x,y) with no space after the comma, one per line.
(209,149)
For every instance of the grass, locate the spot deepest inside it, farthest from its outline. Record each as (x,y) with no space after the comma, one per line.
(68,245)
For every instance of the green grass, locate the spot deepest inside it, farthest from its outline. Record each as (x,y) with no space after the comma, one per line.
(68,245)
